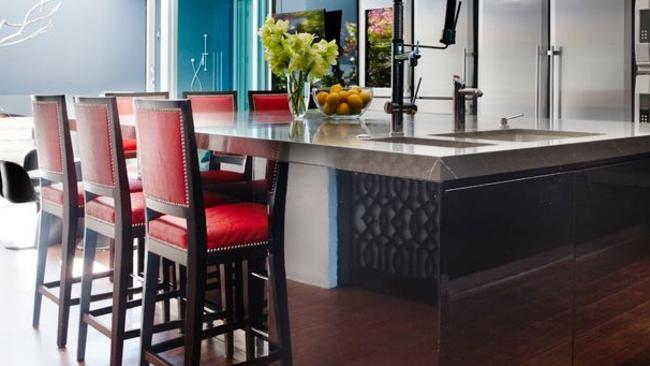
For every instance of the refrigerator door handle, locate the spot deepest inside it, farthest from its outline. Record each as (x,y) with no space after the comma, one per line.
(538,52)
(554,90)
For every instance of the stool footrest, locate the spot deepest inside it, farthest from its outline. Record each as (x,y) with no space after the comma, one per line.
(95,276)
(261,276)
(154,359)
(260,333)
(93,322)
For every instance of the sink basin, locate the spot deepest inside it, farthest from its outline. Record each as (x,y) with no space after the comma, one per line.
(518,135)
(428,142)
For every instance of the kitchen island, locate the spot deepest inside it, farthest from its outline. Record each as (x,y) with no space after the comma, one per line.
(525,245)
(477,245)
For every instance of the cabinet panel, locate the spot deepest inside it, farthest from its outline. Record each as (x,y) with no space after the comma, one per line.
(612,298)
(506,265)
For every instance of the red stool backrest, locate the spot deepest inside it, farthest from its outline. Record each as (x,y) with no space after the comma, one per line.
(53,144)
(49,136)
(52,132)
(100,142)
(212,102)
(268,101)
(125,100)
(165,155)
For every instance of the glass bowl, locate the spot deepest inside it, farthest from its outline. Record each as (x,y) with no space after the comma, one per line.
(342,103)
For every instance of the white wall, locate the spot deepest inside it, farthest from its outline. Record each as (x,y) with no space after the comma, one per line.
(92,45)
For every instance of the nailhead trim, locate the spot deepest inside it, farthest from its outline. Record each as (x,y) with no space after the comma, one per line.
(230,247)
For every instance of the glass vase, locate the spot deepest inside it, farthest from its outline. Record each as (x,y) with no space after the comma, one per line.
(298,92)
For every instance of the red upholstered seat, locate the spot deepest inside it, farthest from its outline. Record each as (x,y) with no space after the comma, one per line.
(103,208)
(130,144)
(220,176)
(54,192)
(228,226)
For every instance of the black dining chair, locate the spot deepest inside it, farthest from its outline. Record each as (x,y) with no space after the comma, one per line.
(17,187)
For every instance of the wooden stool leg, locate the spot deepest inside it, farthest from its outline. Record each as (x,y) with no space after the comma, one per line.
(90,246)
(182,286)
(196,275)
(69,245)
(227,305)
(256,299)
(121,282)
(246,290)
(140,242)
(278,286)
(43,236)
(111,256)
(149,303)
(166,278)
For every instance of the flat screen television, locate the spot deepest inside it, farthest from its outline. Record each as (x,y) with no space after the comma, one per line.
(308,21)
(326,25)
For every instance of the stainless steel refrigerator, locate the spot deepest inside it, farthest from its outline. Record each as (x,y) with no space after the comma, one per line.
(568,59)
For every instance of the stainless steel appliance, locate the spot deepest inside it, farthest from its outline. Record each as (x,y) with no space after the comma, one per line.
(642,48)
(567,59)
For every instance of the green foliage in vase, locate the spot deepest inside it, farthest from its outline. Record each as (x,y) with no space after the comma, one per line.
(299,52)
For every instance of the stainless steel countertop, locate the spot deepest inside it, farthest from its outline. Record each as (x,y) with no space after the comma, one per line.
(343,144)
(337,144)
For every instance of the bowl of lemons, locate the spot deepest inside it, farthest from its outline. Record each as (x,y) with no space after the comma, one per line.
(338,102)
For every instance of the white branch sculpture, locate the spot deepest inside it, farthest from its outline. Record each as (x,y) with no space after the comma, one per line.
(37,21)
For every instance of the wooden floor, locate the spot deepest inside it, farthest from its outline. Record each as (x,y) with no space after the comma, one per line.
(329,327)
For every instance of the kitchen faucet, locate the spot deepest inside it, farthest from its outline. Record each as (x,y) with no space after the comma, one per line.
(396,107)
(461,93)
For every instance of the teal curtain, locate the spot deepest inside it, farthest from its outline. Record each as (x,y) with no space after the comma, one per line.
(245,29)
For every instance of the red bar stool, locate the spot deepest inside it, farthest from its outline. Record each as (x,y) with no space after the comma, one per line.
(113,210)
(181,229)
(265,100)
(60,197)
(220,102)
(212,102)
(125,108)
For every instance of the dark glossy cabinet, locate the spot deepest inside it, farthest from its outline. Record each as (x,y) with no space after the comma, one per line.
(533,269)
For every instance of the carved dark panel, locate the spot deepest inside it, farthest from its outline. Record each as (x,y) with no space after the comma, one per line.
(388,230)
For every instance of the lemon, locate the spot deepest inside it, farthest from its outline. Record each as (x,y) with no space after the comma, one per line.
(343,109)
(355,102)
(329,109)
(321,97)
(344,95)
(366,97)
(336,88)
(333,99)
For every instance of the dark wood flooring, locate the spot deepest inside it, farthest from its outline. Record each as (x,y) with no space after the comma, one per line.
(329,327)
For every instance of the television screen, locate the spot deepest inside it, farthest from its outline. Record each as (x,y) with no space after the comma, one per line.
(308,21)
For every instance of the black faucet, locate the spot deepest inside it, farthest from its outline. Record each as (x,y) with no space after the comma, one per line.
(396,107)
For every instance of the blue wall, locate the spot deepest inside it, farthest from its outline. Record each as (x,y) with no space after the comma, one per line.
(198,17)
(92,46)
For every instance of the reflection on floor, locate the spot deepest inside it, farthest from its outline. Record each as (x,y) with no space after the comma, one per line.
(527,320)
(329,327)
